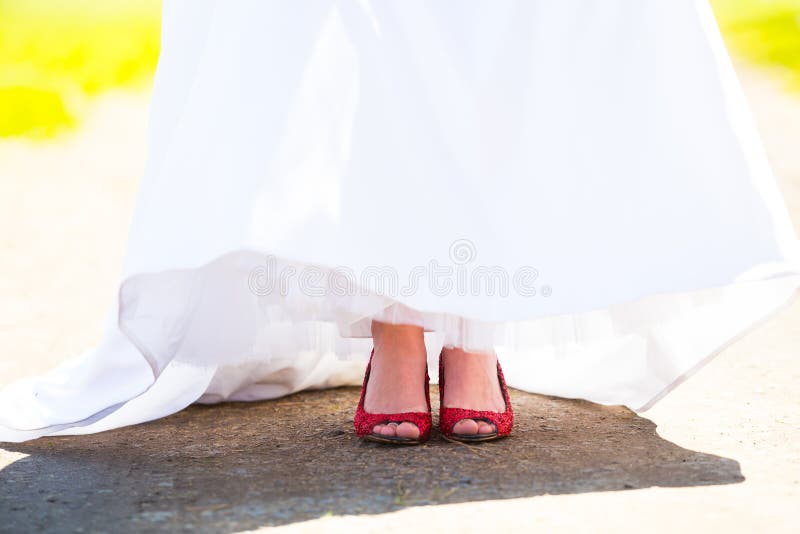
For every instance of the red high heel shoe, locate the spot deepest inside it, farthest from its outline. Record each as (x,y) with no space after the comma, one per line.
(365,422)
(448,417)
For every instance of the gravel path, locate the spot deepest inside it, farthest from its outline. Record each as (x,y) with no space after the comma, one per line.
(720,452)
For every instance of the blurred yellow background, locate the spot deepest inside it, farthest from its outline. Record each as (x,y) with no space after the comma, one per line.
(56,54)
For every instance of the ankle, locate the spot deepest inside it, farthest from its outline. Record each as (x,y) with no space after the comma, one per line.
(401,338)
(472,381)
(455,352)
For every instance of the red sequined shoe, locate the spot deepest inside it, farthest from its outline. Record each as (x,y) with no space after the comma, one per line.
(448,417)
(365,422)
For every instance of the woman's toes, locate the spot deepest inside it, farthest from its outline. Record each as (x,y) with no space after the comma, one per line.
(401,430)
(466,427)
(486,428)
(407,430)
(390,430)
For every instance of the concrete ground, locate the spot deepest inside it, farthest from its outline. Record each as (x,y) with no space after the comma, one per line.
(720,452)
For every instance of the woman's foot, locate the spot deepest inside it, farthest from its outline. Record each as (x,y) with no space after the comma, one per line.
(472,383)
(397,378)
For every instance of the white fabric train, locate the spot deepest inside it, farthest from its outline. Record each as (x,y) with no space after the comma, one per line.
(576,184)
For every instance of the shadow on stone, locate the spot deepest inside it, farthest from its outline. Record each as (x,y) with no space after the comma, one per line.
(237,466)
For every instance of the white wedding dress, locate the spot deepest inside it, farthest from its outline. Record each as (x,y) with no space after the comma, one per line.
(575,184)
